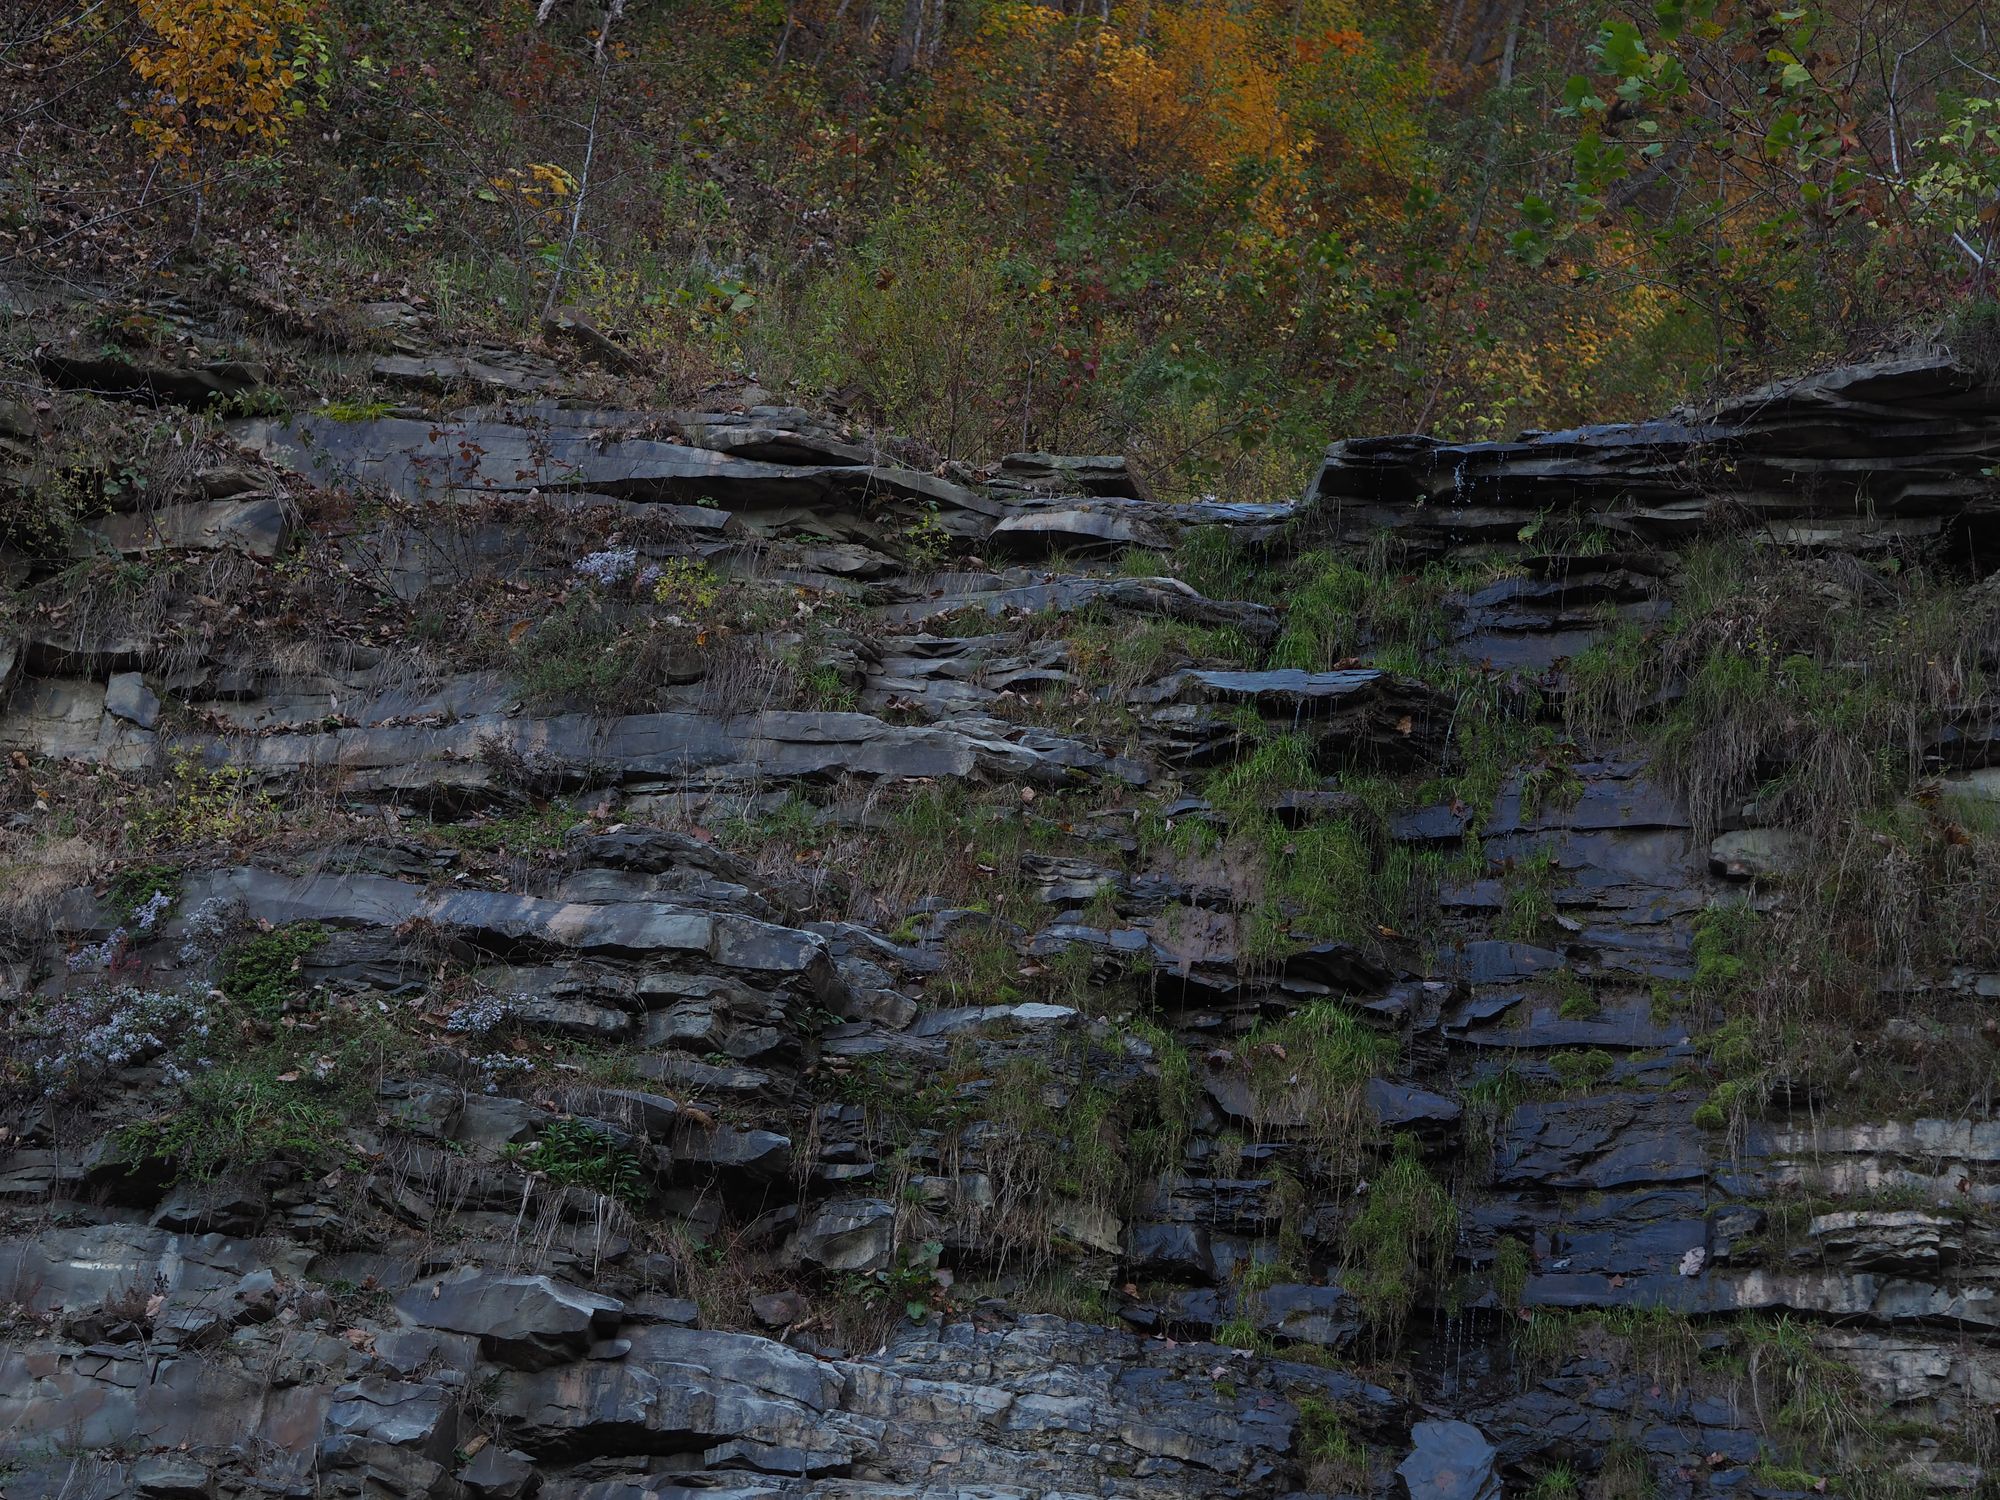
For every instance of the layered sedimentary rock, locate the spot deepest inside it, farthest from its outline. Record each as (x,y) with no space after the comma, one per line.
(645,1114)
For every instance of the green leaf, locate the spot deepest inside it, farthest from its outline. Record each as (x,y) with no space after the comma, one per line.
(1622,49)
(1575,97)
(1528,245)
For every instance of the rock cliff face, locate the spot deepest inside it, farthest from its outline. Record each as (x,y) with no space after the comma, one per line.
(615,953)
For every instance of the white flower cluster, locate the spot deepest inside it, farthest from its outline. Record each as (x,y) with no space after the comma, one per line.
(152,910)
(613,565)
(481,1014)
(496,1067)
(98,955)
(206,927)
(89,1033)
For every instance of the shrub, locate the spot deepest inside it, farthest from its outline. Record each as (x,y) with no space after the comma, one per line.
(87,1033)
(600,653)
(218,70)
(199,804)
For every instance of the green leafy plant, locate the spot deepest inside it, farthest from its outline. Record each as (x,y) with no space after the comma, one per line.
(237,1116)
(201,804)
(265,974)
(926,543)
(535,831)
(573,1153)
(1557,1483)
(136,888)
(1510,1271)
(1336,1462)
(684,586)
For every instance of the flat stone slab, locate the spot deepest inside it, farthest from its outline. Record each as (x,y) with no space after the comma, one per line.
(255,527)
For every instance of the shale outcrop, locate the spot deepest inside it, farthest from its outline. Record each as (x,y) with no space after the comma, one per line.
(573,949)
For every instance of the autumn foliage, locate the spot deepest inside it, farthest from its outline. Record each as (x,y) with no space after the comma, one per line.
(1210,233)
(216,71)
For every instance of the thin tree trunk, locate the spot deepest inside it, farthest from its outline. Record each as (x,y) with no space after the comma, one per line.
(785,37)
(934,34)
(908,38)
(576,209)
(1513,40)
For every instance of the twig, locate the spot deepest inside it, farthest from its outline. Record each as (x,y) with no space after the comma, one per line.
(576,208)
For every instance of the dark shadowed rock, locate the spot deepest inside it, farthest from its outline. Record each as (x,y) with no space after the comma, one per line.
(523,1322)
(848,1234)
(497,1473)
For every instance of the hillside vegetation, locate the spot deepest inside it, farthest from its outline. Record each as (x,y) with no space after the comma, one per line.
(1204,234)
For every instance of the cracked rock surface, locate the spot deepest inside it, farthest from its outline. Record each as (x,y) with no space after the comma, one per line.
(615,954)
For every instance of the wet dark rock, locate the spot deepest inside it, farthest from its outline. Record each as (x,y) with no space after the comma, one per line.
(1615,1140)
(1785,455)
(1325,1316)
(1399,1106)
(1174,1251)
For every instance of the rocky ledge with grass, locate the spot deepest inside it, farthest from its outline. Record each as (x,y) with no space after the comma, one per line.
(561,948)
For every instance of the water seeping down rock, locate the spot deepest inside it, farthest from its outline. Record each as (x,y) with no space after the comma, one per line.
(603,953)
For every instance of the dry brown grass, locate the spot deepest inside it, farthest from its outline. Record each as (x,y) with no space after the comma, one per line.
(35,871)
